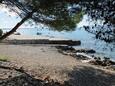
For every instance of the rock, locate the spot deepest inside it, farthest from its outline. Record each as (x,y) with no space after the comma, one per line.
(112,62)
(38,33)
(17,33)
(85,50)
(97,58)
(96,62)
(79,54)
(74,50)
(105,62)
(83,56)
(86,61)
(111,67)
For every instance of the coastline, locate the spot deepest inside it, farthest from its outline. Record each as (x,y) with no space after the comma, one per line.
(43,61)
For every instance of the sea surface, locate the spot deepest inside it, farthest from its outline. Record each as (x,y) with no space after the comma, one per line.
(87,39)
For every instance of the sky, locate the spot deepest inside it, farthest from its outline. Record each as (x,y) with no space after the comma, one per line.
(9,19)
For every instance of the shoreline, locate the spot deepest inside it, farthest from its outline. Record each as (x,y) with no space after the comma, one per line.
(64,46)
(87,56)
(45,62)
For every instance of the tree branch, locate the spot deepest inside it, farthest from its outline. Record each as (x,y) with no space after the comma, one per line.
(17,25)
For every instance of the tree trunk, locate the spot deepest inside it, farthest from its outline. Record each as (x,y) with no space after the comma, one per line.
(17,26)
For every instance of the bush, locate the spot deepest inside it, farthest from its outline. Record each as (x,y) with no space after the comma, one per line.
(1,32)
(3,58)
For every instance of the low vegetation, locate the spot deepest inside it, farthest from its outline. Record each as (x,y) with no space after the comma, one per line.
(3,58)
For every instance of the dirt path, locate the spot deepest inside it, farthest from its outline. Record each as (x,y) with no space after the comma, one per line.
(43,61)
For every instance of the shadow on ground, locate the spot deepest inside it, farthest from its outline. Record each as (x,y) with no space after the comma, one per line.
(80,76)
(26,80)
(14,76)
(89,76)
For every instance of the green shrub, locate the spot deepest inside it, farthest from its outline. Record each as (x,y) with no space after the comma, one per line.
(3,58)
(1,32)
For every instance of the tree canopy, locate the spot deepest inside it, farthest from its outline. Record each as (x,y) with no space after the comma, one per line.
(55,13)
(44,11)
(104,9)
(101,10)
(61,14)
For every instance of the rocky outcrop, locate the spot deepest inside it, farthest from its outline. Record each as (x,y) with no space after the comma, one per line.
(102,62)
(85,55)
(70,49)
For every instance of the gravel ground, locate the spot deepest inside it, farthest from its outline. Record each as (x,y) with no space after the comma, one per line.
(43,62)
(44,58)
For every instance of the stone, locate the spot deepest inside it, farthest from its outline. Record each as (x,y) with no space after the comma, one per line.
(17,33)
(83,56)
(85,50)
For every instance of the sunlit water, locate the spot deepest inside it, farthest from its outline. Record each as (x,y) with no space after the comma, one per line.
(87,39)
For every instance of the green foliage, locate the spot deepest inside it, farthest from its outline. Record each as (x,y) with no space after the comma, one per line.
(77,17)
(53,13)
(67,24)
(1,32)
(3,58)
(1,1)
(60,25)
